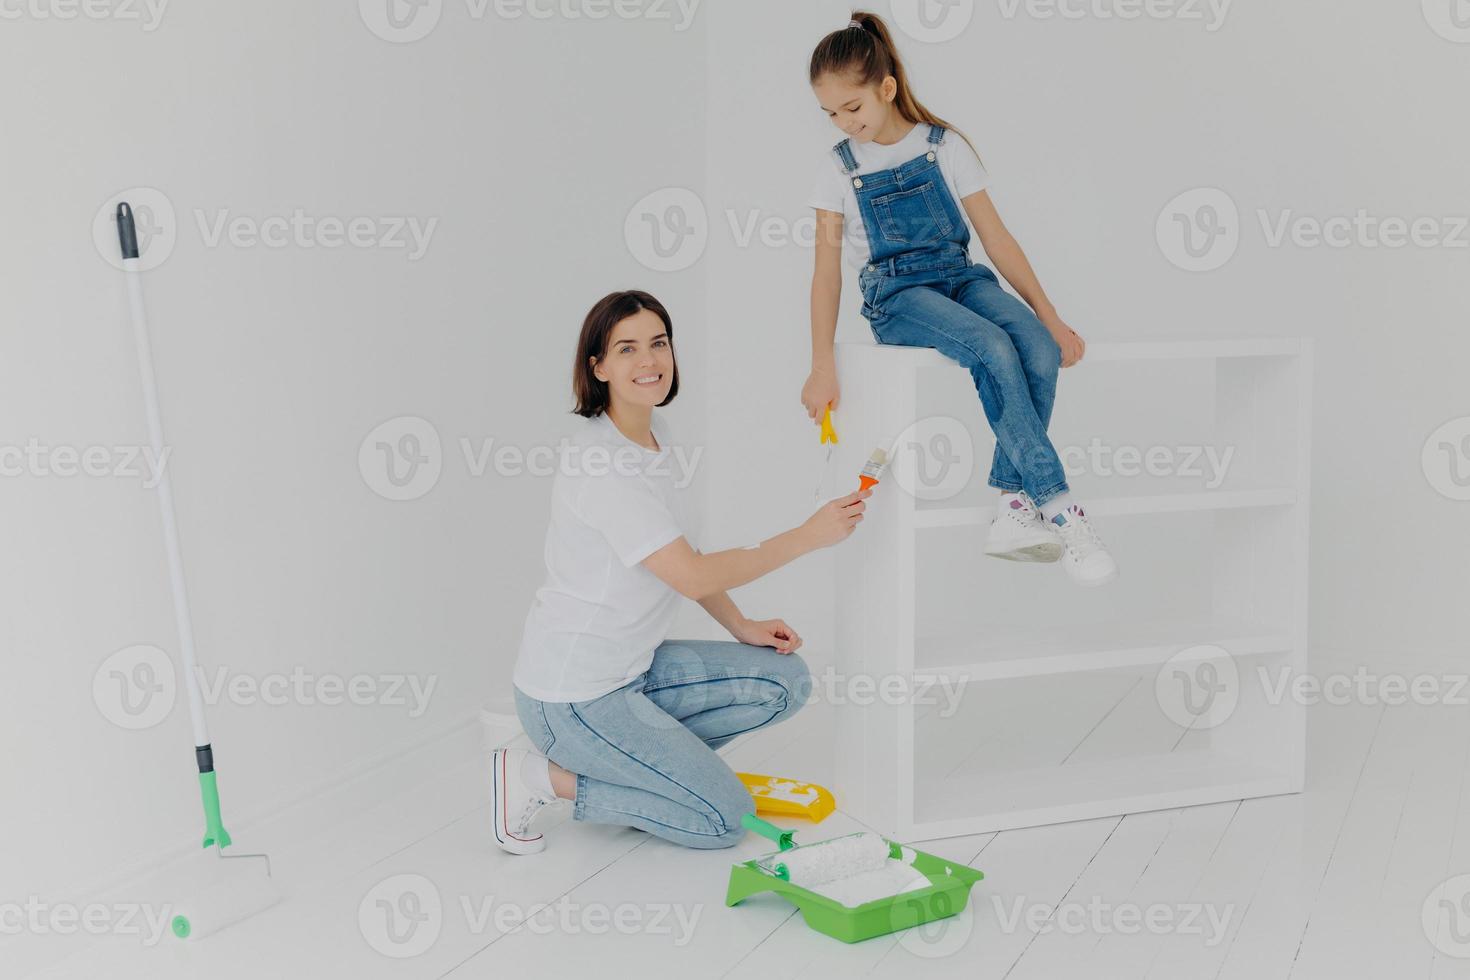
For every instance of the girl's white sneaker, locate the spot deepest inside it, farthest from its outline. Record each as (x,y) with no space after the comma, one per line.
(514,804)
(1018,532)
(1086,559)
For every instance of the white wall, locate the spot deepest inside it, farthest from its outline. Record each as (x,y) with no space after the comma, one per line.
(528,141)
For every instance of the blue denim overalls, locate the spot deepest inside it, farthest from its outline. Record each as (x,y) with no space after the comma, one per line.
(921,289)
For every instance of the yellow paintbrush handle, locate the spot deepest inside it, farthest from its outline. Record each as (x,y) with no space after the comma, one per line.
(828,433)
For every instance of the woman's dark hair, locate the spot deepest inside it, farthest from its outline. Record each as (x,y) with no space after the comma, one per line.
(867,55)
(590,393)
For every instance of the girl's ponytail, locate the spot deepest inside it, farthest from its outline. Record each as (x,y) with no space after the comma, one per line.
(864,51)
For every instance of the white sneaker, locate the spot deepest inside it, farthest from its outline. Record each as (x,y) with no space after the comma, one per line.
(1018,533)
(514,804)
(1084,557)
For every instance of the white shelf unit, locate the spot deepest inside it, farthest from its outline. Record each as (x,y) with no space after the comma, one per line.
(1059,703)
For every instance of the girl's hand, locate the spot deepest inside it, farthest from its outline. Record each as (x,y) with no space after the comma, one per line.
(819,390)
(835,519)
(1072,345)
(768,633)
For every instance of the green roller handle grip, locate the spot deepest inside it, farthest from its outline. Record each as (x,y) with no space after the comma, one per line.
(782,837)
(215,833)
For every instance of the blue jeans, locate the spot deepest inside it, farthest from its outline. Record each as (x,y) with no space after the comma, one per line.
(959,308)
(644,754)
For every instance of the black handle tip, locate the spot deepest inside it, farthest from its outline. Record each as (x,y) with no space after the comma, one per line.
(127,233)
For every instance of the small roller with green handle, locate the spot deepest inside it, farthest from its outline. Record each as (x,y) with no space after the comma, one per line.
(809,877)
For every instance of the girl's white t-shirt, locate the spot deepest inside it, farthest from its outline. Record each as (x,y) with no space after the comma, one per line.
(594,624)
(833,191)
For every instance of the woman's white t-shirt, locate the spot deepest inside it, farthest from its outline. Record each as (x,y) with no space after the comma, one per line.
(594,624)
(833,191)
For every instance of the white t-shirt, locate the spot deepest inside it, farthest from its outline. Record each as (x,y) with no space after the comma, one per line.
(833,191)
(594,624)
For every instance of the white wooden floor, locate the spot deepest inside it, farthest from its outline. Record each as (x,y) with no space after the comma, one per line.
(1329,883)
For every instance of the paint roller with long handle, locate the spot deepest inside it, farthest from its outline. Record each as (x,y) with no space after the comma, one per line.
(241,884)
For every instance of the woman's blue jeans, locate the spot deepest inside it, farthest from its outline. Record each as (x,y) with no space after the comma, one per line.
(960,309)
(644,754)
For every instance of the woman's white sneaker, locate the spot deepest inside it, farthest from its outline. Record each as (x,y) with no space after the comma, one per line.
(1083,555)
(1018,532)
(515,803)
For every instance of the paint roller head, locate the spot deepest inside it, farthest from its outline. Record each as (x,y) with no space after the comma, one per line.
(832,860)
(236,886)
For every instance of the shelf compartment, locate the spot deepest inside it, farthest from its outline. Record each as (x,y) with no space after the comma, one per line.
(997,653)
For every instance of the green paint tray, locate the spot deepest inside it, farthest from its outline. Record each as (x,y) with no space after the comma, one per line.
(946,895)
